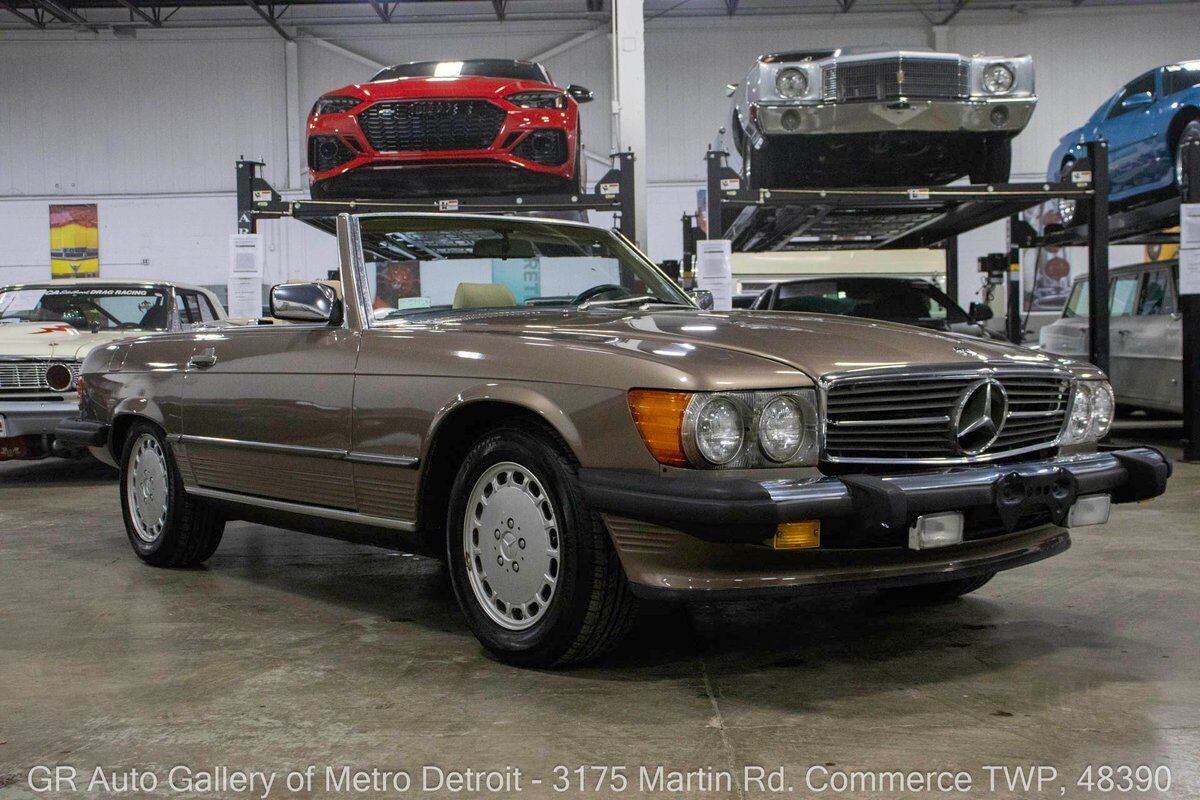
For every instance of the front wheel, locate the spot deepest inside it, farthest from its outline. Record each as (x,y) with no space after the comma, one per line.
(166,527)
(1190,133)
(533,568)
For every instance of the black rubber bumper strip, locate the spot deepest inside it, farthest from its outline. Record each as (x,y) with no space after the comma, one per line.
(82,433)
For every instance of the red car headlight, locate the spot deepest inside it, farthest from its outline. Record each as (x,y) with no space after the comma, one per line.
(335,104)
(538,100)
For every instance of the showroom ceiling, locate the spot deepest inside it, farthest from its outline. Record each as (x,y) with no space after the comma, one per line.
(95,14)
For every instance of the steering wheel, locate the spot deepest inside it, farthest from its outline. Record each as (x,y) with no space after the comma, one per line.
(596,291)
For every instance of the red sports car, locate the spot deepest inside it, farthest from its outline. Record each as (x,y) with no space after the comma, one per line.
(446,128)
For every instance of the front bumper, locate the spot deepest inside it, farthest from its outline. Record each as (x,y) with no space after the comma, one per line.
(708,535)
(34,417)
(935,116)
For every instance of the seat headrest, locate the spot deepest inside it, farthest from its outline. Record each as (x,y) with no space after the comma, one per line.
(503,248)
(483,295)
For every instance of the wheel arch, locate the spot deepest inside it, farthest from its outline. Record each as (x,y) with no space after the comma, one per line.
(128,412)
(1178,122)
(459,425)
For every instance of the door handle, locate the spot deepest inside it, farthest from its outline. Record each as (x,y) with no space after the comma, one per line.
(204,359)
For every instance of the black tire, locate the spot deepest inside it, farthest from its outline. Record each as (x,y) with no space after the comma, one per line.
(1190,133)
(190,530)
(591,607)
(940,592)
(996,164)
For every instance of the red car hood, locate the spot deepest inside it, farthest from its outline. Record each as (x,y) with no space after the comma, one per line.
(408,88)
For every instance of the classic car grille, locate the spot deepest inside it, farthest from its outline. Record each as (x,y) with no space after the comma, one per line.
(431,125)
(20,377)
(893,78)
(906,418)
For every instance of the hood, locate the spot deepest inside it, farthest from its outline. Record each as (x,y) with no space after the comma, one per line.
(814,344)
(53,340)
(459,87)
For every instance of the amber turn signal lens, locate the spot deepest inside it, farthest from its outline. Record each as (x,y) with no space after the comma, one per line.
(797,535)
(659,419)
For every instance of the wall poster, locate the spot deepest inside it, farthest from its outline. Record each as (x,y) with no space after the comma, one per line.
(74,241)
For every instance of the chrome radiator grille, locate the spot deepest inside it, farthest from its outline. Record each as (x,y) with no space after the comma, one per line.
(893,78)
(916,417)
(21,377)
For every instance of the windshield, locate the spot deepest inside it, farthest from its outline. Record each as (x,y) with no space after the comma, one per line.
(913,302)
(1077,305)
(477,67)
(94,308)
(422,266)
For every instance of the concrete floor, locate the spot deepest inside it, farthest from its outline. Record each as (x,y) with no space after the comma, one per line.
(287,650)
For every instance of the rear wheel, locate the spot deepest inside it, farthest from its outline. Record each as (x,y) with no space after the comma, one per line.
(166,527)
(940,592)
(533,568)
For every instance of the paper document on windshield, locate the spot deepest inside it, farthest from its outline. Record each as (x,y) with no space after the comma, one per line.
(714,271)
(1189,248)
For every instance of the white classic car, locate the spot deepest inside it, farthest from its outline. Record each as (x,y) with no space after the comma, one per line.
(880,117)
(47,328)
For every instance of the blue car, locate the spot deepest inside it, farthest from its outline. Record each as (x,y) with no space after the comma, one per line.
(1144,124)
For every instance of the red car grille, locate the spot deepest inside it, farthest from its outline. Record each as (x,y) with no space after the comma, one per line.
(403,125)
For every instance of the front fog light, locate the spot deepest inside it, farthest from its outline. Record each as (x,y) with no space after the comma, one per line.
(719,430)
(936,530)
(1103,405)
(1090,510)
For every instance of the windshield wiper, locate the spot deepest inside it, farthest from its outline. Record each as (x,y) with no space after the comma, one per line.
(645,299)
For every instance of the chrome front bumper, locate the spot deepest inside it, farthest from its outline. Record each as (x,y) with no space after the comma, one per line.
(34,417)
(934,116)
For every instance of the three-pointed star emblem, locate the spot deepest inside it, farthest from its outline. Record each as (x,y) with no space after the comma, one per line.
(979,416)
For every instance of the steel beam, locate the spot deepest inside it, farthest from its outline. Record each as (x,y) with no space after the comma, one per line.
(62,12)
(266,16)
(16,12)
(140,13)
(500,7)
(629,97)
(1098,327)
(731,7)
(382,10)
(958,6)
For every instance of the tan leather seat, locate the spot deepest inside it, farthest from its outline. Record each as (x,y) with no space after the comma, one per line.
(483,295)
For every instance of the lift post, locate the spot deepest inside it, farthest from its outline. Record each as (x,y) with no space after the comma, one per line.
(1097,243)
(1189,307)
(951,248)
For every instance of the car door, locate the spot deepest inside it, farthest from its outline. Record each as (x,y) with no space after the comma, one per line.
(1129,127)
(1122,302)
(267,412)
(1152,341)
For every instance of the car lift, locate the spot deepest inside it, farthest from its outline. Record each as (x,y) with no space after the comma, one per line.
(258,200)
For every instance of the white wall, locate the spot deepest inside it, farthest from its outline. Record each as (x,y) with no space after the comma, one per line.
(149,128)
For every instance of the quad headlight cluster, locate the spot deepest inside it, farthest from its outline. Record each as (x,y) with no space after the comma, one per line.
(1092,409)
(730,430)
(791,83)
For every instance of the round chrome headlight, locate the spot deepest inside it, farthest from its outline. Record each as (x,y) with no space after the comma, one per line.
(59,377)
(1081,413)
(1103,407)
(781,429)
(998,79)
(719,430)
(791,83)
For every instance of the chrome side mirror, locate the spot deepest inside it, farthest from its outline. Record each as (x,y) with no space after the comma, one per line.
(581,94)
(306,302)
(702,298)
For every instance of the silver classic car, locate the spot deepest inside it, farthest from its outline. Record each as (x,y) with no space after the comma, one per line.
(877,117)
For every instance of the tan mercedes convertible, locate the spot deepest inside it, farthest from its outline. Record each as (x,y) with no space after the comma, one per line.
(536,403)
